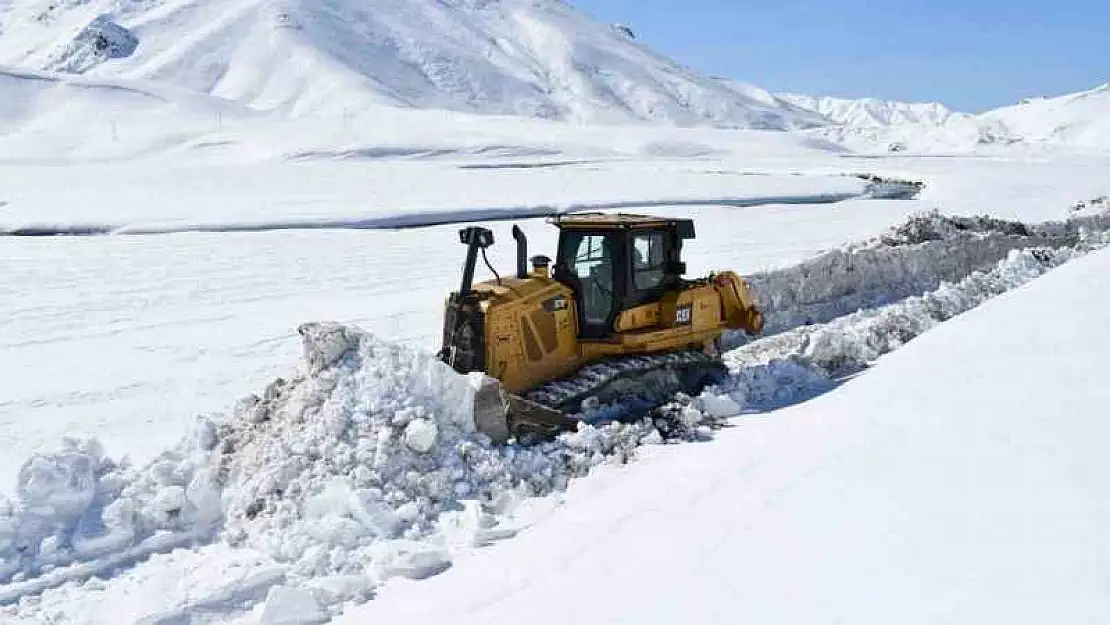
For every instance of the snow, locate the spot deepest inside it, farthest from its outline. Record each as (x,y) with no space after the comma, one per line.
(320,195)
(261,201)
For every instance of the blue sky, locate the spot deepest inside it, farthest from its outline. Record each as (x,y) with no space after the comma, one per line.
(970,54)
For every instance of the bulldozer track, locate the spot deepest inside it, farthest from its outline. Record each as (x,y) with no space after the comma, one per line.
(629,380)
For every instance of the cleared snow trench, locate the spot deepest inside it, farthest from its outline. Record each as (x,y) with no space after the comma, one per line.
(363,465)
(420,218)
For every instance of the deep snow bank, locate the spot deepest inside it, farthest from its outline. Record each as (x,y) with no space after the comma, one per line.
(911,258)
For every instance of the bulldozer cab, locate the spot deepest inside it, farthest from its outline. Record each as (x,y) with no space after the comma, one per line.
(616,262)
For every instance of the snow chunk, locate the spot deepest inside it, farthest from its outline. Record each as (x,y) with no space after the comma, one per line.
(292,606)
(718,406)
(324,344)
(691,416)
(411,559)
(420,435)
(60,485)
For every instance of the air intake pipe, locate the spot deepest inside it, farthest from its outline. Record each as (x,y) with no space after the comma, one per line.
(521,253)
(475,239)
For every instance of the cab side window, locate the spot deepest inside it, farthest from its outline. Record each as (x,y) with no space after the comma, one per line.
(593,265)
(648,260)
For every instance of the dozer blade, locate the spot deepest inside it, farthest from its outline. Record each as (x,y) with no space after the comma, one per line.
(502,416)
(611,390)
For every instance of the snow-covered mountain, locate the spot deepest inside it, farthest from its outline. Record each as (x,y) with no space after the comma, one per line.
(529,58)
(871,112)
(758,98)
(539,58)
(1079,120)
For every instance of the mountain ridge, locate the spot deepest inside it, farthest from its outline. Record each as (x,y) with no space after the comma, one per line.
(540,58)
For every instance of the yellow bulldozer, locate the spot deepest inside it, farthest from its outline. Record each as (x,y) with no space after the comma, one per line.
(612,319)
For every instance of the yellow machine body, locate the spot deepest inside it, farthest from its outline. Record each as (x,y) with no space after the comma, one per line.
(528,329)
(530,341)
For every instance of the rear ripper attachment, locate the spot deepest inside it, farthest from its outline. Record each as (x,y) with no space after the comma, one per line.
(609,332)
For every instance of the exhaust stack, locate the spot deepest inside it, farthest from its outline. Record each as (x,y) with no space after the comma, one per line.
(521,253)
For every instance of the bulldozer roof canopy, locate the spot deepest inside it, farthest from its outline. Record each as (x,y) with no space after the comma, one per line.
(622,220)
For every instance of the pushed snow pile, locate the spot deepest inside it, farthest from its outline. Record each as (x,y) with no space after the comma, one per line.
(78,515)
(1092,206)
(341,470)
(364,464)
(909,259)
(811,359)
(102,40)
(77,505)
